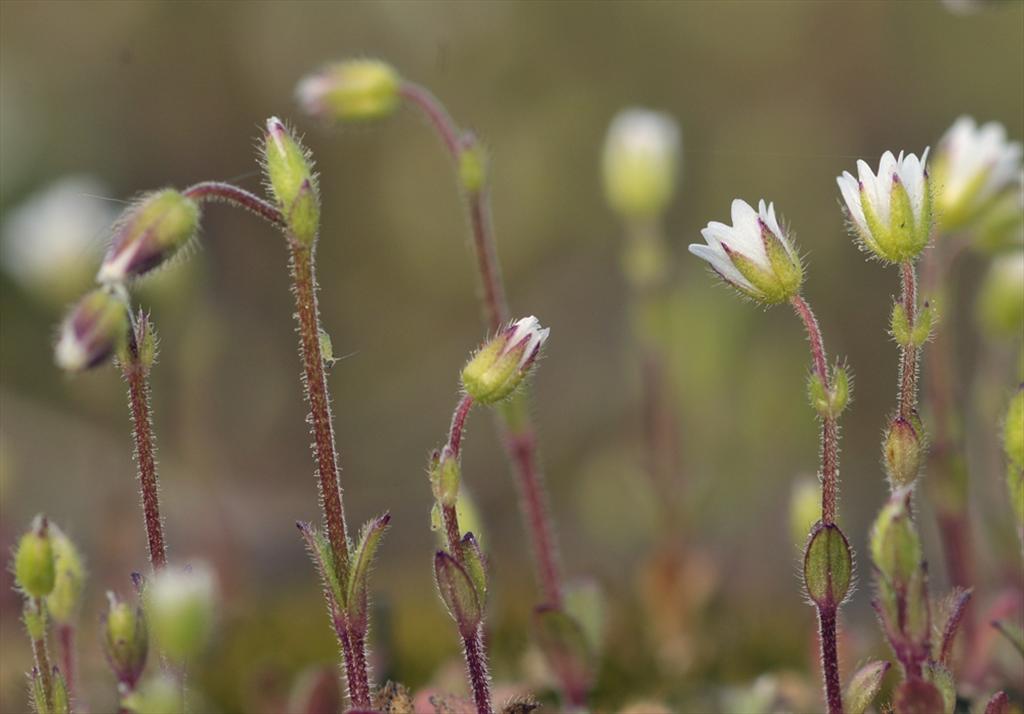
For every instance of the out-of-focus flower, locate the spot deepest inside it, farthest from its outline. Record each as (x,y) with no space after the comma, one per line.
(180,609)
(52,240)
(352,90)
(891,211)
(973,165)
(96,328)
(501,365)
(640,162)
(1000,305)
(754,254)
(1001,225)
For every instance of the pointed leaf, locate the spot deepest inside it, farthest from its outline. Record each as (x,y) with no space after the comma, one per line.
(320,551)
(458,593)
(948,622)
(356,600)
(864,687)
(475,563)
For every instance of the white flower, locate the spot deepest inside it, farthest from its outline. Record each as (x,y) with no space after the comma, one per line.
(502,363)
(891,210)
(640,162)
(973,165)
(527,333)
(180,609)
(754,254)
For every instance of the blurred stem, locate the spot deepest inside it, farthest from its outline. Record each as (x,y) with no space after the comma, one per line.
(516,427)
(42,656)
(66,639)
(908,371)
(136,374)
(829,429)
(830,658)
(219,191)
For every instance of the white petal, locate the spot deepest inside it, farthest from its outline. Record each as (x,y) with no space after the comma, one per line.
(721,264)
(746,233)
(850,188)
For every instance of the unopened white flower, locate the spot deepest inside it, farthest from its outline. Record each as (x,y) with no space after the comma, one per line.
(640,162)
(973,165)
(501,365)
(180,609)
(359,90)
(891,211)
(754,254)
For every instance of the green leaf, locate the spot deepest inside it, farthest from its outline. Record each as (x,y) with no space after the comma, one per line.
(357,598)
(864,687)
(320,551)
(475,564)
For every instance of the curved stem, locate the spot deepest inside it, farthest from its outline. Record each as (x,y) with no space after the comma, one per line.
(220,191)
(458,424)
(830,658)
(66,639)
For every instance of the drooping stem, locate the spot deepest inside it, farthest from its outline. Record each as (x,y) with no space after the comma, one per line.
(830,658)
(519,439)
(137,375)
(220,191)
(908,353)
(829,428)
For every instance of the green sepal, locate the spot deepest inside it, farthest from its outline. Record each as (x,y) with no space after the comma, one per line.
(767,287)
(66,596)
(319,548)
(61,702)
(942,679)
(34,565)
(864,686)
(789,272)
(475,563)
(472,165)
(895,545)
(828,565)
(362,560)
(457,593)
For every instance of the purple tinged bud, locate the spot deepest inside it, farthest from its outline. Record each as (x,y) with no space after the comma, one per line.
(150,232)
(458,593)
(96,328)
(501,364)
(125,640)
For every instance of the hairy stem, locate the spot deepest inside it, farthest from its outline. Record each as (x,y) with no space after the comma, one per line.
(476,664)
(219,191)
(830,658)
(137,376)
(42,659)
(908,354)
(829,428)
(66,639)
(458,425)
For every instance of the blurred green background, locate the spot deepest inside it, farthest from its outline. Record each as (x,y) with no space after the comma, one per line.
(774,99)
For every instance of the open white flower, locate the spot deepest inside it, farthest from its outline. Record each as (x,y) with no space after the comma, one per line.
(891,211)
(754,254)
(640,162)
(973,165)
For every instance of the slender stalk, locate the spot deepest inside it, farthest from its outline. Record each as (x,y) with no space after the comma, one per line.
(476,664)
(219,191)
(137,375)
(908,371)
(830,658)
(42,659)
(359,672)
(519,437)
(458,425)
(66,639)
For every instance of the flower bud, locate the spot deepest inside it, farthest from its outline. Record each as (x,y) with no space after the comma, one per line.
(151,231)
(902,452)
(34,570)
(96,328)
(754,255)
(66,596)
(445,474)
(640,162)
(864,687)
(472,164)
(972,165)
(159,694)
(458,593)
(352,90)
(289,172)
(1000,306)
(125,640)
(833,401)
(475,563)
(891,212)
(1001,225)
(895,545)
(180,610)
(828,565)
(500,365)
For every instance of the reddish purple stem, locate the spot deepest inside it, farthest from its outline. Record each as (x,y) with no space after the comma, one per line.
(219,191)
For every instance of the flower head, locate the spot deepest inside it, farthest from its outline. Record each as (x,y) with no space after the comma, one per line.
(973,165)
(640,162)
(501,364)
(353,90)
(754,254)
(96,327)
(891,211)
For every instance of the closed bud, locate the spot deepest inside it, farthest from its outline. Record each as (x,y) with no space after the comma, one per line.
(902,452)
(895,545)
(475,563)
(1000,305)
(289,173)
(445,474)
(472,164)
(34,569)
(96,328)
(640,162)
(66,596)
(500,365)
(864,687)
(125,640)
(891,211)
(150,232)
(353,90)
(180,610)
(828,565)
(458,593)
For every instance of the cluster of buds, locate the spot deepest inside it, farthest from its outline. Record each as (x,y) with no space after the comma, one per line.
(891,211)
(640,163)
(290,177)
(125,641)
(754,254)
(352,90)
(501,365)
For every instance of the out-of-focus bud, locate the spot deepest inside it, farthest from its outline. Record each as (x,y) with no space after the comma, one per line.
(1013,443)
(1001,226)
(999,703)
(567,650)
(1000,306)
(640,162)
(902,451)
(804,508)
(445,475)
(289,172)
(180,609)
(157,695)
(96,328)
(891,212)
(34,570)
(828,565)
(150,232)
(500,366)
(125,640)
(833,401)
(585,603)
(458,593)
(754,254)
(895,545)
(864,687)
(352,90)
(61,701)
(66,596)
(972,166)
(907,335)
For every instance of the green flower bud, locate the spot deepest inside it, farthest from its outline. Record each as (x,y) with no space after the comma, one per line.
(289,172)
(475,563)
(445,475)
(833,401)
(472,164)
(458,593)
(864,687)
(34,570)
(95,328)
(895,545)
(353,90)
(1000,305)
(640,163)
(149,233)
(828,565)
(125,640)
(66,596)
(180,610)
(902,453)
(157,695)
(500,366)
